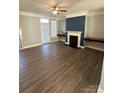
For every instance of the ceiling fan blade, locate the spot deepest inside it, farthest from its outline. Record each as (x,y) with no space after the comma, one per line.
(62,10)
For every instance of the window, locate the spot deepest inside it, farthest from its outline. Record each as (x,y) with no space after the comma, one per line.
(44,20)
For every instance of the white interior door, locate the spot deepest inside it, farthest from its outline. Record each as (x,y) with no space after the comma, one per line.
(53,28)
(45,30)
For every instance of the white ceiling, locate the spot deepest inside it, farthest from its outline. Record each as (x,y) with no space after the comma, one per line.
(44,6)
(86,5)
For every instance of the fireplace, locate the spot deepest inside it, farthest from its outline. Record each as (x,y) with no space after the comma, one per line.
(73,41)
(78,40)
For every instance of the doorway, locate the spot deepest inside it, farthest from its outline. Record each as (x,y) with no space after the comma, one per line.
(53,29)
(45,37)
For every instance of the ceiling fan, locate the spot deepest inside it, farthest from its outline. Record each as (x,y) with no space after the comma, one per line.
(58,9)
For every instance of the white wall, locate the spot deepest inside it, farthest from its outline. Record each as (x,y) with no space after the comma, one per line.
(95,26)
(30,27)
(31,30)
(61,26)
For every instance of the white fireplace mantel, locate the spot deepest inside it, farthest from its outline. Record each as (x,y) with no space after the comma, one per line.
(74,33)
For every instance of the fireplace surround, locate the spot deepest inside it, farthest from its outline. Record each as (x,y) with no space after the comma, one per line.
(74,33)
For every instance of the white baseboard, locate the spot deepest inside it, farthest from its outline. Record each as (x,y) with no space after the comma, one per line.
(82,47)
(37,45)
(53,41)
(31,46)
(100,49)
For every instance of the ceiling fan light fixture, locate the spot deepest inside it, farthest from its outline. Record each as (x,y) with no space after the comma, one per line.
(57,8)
(55,12)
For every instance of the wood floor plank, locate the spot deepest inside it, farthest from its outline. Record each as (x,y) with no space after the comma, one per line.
(57,68)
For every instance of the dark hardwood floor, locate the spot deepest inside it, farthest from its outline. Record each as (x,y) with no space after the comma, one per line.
(57,68)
